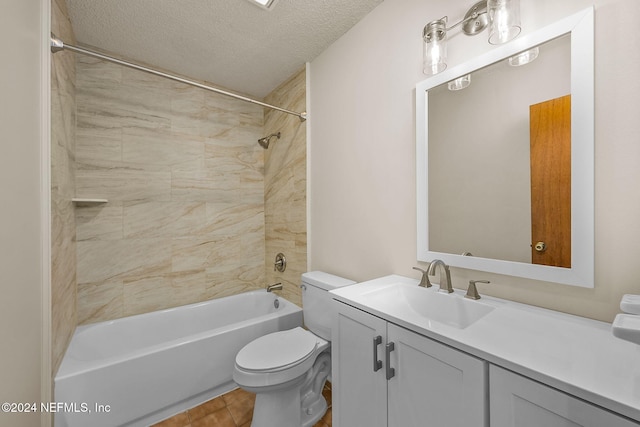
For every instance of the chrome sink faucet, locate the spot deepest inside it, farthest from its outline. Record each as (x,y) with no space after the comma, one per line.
(445,275)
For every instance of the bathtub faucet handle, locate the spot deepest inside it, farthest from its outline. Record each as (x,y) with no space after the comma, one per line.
(281,263)
(274,287)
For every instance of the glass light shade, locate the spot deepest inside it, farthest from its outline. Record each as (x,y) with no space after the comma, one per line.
(434,39)
(504,20)
(460,83)
(524,57)
(265,4)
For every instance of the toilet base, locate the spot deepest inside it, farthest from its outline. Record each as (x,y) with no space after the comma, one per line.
(315,412)
(300,406)
(283,410)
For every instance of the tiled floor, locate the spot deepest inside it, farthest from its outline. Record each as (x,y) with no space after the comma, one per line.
(234,409)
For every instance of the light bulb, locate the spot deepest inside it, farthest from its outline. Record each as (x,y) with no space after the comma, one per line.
(504,20)
(434,38)
(459,83)
(524,57)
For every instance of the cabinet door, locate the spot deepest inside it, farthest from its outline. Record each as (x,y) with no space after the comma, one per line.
(434,385)
(359,388)
(517,401)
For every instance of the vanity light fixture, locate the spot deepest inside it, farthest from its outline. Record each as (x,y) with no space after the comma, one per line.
(501,16)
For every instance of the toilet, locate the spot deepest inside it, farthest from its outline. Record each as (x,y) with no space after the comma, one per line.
(287,369)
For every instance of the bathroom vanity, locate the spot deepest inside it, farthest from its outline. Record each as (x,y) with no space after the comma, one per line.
(405,355)
(410,356)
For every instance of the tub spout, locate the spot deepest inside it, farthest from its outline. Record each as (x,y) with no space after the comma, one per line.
(274,287)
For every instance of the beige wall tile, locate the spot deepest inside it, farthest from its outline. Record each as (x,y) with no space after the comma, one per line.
(162,219)
(102,222)
(93,72)
(188,286)
(95,145)
(159,147)
(231,277)
(149,293)
(201,252)
(195,181)
(63,228)
(101,260)
(183,174)
(100,301)
(233,218)
(285,188)
(123,182)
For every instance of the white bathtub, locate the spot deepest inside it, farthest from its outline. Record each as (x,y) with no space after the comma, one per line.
(141,369)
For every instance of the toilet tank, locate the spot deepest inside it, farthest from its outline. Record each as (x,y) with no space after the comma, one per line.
(317,308)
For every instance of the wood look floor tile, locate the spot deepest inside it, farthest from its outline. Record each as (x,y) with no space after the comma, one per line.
(219,418)
(206,408)
(326,418)
(242,409)
(234,409)
(180,420)
(236,395)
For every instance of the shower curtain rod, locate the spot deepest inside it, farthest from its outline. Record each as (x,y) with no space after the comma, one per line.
(58,45)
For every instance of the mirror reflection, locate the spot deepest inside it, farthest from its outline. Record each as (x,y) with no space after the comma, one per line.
(499,160)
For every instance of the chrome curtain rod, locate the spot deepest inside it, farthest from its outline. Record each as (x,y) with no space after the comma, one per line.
(58,45)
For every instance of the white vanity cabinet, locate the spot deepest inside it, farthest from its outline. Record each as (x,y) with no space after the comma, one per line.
(385,375)
(517,401)
(359,391)
(488,363)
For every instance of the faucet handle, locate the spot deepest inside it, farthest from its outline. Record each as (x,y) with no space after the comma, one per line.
(424,282)
(472,291)
(281,263)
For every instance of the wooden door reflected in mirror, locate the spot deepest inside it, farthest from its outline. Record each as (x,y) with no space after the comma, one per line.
(550,154)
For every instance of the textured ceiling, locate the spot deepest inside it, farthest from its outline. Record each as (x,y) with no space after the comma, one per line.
(230,43)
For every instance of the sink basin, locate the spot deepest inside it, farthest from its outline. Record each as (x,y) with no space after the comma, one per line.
(428,304)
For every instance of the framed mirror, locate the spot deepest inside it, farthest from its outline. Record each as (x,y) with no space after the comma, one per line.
(505,158)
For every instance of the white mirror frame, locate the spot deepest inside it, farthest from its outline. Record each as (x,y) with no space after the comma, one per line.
(581,273)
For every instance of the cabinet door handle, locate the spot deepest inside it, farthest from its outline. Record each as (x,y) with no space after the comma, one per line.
(377,364)
(391,372)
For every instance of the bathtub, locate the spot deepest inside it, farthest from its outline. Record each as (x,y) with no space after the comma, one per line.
(141,369)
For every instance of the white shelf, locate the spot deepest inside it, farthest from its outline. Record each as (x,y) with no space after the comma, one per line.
(87,201)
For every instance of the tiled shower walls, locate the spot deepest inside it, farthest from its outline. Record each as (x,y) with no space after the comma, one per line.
(63,229)
(183,175)
(285,187)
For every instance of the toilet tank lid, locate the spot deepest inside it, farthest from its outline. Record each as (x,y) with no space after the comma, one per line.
(325,281)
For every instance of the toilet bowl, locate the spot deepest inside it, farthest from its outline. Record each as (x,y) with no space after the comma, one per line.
(287,370)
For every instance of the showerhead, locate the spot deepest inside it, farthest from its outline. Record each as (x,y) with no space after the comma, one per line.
(264,142)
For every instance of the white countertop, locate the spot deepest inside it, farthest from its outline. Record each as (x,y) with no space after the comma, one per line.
(576,355)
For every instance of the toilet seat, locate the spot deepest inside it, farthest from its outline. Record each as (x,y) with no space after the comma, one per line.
(277,351)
